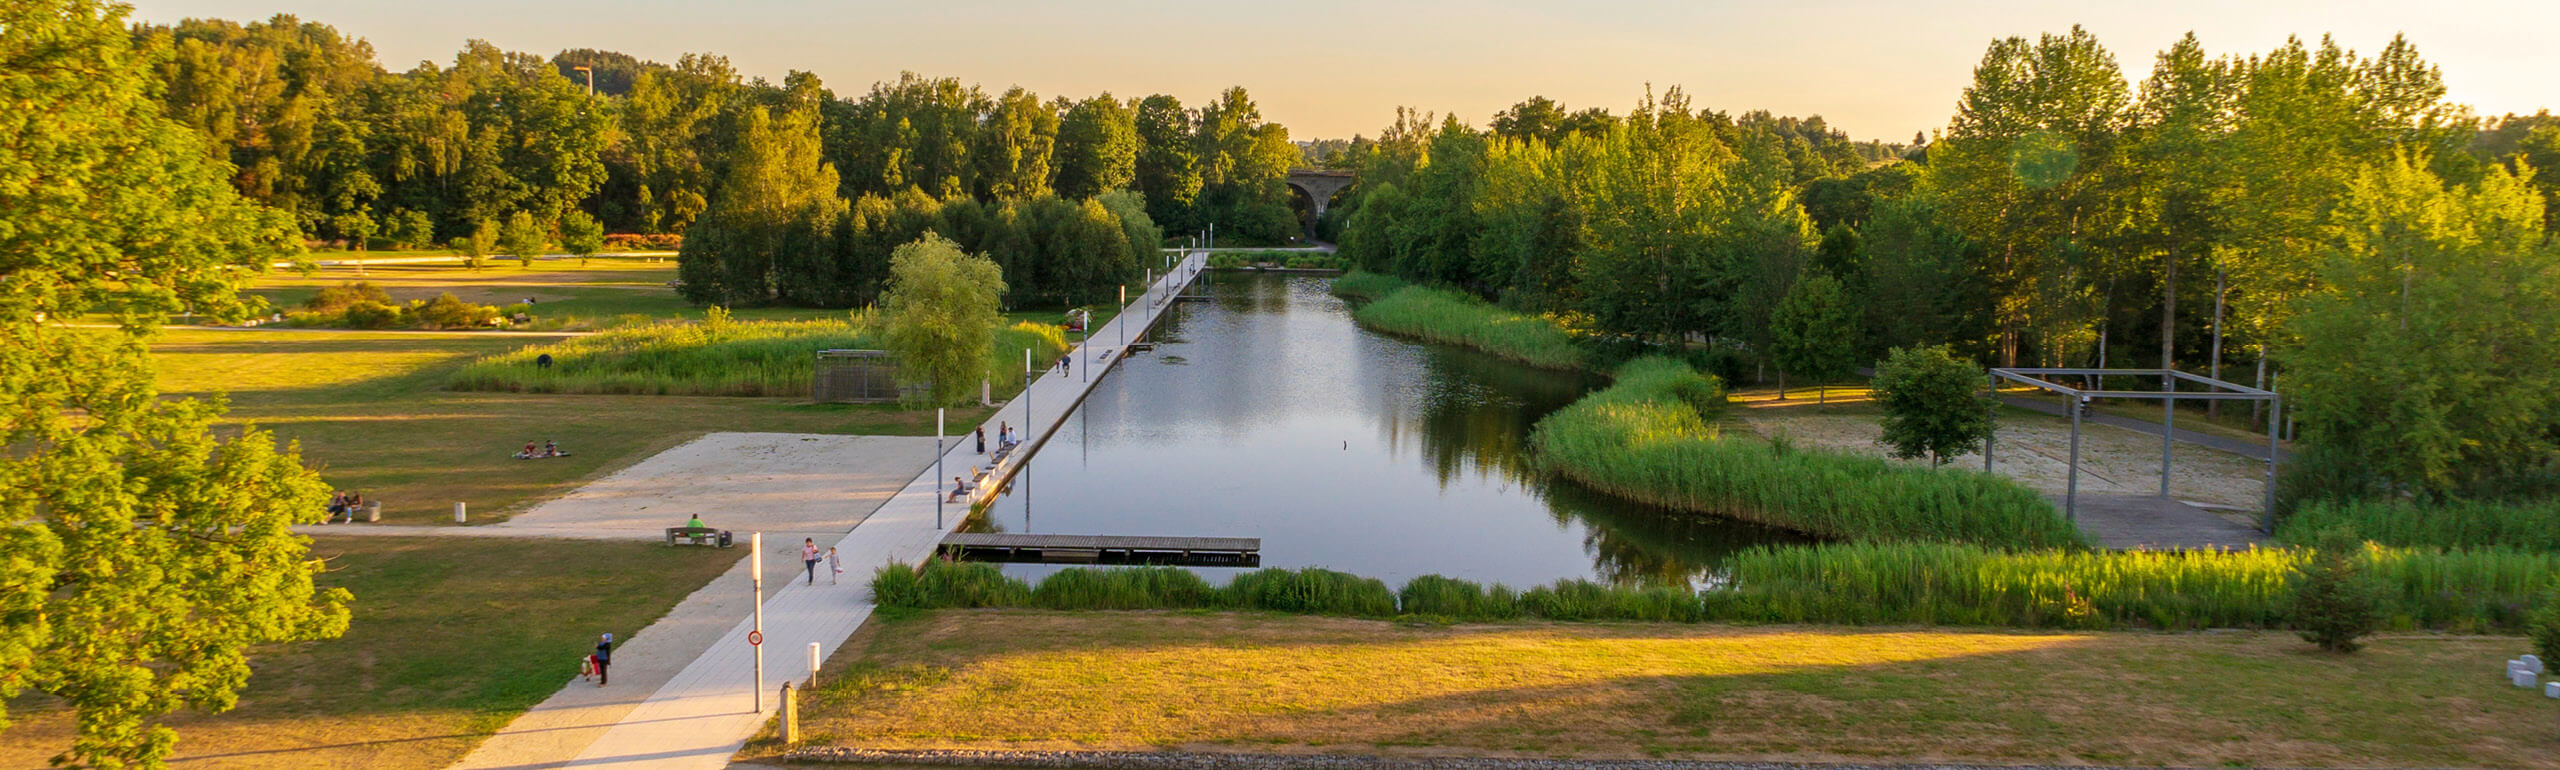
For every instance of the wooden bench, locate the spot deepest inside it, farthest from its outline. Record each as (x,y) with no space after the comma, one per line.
(697,536)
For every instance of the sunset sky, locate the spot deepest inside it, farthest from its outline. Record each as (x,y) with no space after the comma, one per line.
(1328,68)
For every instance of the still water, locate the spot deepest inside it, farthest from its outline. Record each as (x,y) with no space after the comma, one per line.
(1267,413)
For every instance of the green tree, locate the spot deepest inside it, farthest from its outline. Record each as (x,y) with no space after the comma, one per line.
(1817,332)
(410,229)
(477,247)
(766,236)
(2425,358)
(941,311)
(1168,171)
(1097,147)
(2334,602)
(581,234)
(523,237)
(145,553)
(1933,402)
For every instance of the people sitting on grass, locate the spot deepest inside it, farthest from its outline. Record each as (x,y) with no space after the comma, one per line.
(547,449)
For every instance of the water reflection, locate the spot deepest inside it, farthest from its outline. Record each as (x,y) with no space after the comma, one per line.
(1266,413)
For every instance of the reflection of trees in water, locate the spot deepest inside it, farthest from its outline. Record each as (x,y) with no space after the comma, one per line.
(1633,543)
(1475,415)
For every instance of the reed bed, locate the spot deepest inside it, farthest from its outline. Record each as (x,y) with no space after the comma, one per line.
(2478,591)
(2531,525)
(1449,317)
(1364,285)
(1646,438)
(716,358)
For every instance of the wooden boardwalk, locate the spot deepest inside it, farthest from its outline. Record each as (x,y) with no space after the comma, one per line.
(1105,549)
(706,712)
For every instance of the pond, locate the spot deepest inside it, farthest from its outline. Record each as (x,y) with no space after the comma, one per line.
(1266,412)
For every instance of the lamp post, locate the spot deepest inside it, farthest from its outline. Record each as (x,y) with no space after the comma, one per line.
(755,589)
(938,497)
(591,79)
(1026,391)
(1084,334)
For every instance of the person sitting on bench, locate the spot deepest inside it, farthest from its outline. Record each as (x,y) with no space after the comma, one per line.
(695,522)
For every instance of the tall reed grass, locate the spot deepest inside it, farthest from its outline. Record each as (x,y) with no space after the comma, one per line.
(1646,438)
(1364,285)
(2532,525)
(1449,317)
(1943,584)
(1885,583)
(718,357)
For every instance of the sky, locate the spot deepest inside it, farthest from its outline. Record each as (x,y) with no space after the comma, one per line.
(1331,69)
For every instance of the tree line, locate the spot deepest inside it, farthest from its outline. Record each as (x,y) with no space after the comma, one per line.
(313,126)
(2307,218)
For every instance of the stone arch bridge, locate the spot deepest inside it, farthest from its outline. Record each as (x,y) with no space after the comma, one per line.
(1320,185)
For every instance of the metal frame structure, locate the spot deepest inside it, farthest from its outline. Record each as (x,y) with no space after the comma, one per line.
(2168,395)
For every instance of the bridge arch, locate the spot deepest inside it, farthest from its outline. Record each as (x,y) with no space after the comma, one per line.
(1320,185)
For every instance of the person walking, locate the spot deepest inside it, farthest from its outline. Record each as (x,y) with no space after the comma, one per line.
(835,568)
(982,439)
(604,657)
(809,558)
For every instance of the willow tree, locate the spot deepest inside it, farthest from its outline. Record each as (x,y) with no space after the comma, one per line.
(941,306)
(141,555)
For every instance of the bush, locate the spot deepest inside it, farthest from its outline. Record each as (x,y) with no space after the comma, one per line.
(2334,603)
(336,299)
(644,242)
(1458,319)
(942,584)
(2533,525)
(368,314)
(1438,596)
(1311,591)
(2545,628)
(1134,588)
(449,312)
(1643,439)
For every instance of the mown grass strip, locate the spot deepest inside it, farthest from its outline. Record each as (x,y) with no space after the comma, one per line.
(1439,315)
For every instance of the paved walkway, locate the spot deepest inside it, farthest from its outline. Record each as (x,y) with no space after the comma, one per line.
(2154,523)
(2243,448)
(704,712)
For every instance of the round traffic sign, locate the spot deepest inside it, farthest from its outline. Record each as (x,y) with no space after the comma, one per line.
(755,637)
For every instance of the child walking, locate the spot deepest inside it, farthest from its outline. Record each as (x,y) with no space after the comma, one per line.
(835,569)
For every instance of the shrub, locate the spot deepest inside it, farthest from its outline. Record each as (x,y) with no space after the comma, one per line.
(449,312)
(1642,439)
(2533,525)
(1134,588)
(336,299)
(2545,628)
(1456,599)
(1312,591)
(896,585)
(644,242)
(368,314)
(1931,407)
(2334,603)
(1458,319)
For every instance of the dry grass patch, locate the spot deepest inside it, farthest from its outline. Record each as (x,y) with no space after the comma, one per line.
(1029,680)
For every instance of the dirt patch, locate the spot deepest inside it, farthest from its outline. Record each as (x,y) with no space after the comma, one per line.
(2035,449)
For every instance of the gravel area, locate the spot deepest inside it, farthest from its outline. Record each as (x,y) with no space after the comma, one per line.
(1189,760)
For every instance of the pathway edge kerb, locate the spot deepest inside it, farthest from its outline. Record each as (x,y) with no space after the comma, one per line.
(1194,760)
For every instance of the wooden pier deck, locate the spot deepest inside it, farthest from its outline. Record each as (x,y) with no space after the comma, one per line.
(1105,549)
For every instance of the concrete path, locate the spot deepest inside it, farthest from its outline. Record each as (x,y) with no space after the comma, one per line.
(2153,523)
(2256,449)
(704,712)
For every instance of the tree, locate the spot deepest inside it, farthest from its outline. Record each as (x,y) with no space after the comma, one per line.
(2334,601)
(523,238)
(581,234)
(410,229)
(766,234)
(1933,404)
(1097,148)
(1817,332)
(1167,168)
(1014,148)
(476,247)
(941,312)
(146,554)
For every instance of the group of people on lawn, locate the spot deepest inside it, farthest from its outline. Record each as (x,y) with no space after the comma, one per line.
(343,506)
(548,449)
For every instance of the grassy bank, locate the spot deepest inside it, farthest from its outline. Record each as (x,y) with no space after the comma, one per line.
(716,358)
(1014,680)
(1443,316)
(371,411)
(451,638)
(2533,525)
(2471,591)
(1644,438)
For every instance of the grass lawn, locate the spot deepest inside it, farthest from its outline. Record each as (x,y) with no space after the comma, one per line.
(370,411)
(452,637)
(1254,683)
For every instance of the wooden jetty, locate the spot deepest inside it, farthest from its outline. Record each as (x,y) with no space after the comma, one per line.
(1105,549)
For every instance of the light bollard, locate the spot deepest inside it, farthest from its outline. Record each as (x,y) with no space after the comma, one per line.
(458,515)
(813,665)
